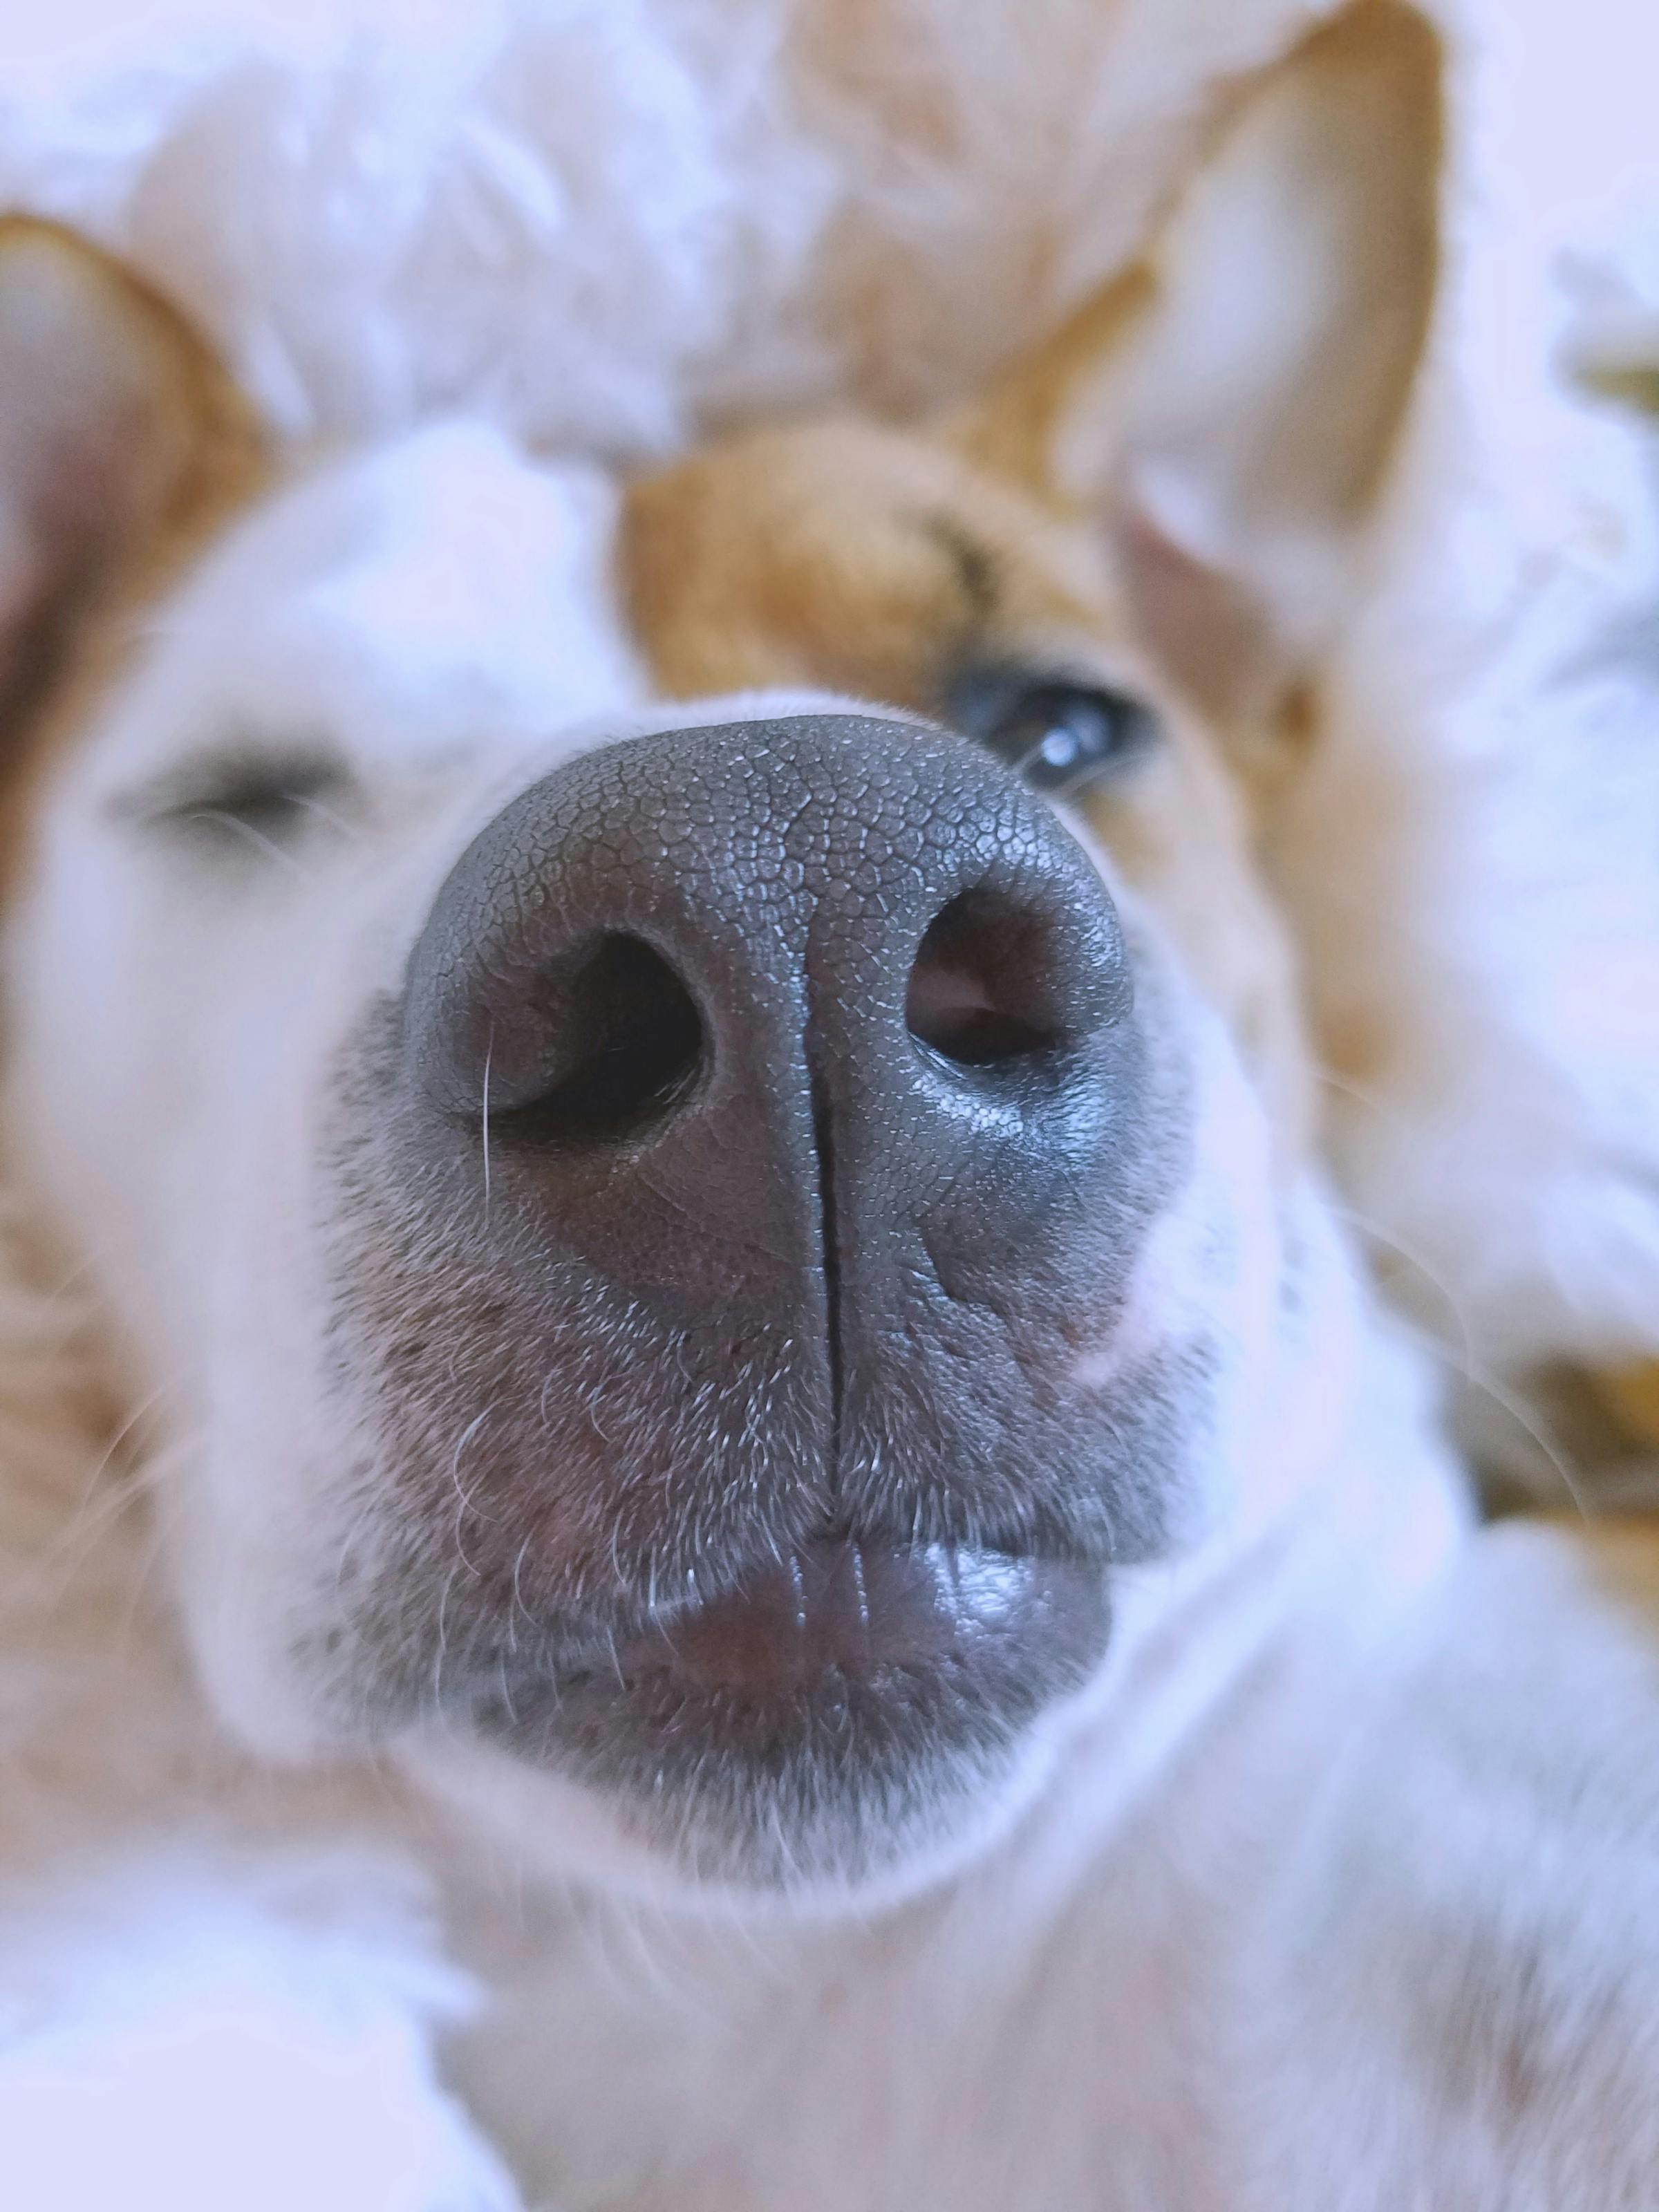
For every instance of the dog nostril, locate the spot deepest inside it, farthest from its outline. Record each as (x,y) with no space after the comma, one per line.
(630,1045)
(982,992)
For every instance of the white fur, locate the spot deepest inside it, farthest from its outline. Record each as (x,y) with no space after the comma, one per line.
(209,2039)
(598,218)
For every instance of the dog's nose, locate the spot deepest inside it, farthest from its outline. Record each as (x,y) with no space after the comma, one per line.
(805,1018)
(743,1201)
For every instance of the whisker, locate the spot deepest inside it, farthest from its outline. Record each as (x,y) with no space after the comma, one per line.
(94,1509)
(245,830)
(327,813)
(441,1650)
(1374,1232)
(1467,1365)
(1536,1434)
(467,1504)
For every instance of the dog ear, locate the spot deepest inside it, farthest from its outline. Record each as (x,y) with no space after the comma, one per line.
(1229,408)
(119,430)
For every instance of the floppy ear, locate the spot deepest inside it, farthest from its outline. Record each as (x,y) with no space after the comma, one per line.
(1229,408)
(119,430)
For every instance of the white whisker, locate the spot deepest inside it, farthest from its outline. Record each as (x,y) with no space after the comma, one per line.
(1468,1368)
(466,1504)
(94,1511)
(327,814)
(245,830)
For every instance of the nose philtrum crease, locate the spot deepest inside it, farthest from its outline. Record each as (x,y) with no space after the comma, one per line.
(484,1120)
(823,1145)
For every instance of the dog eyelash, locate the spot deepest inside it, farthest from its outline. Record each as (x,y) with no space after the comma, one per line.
(267,804)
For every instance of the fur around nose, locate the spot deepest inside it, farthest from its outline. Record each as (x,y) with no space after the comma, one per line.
(775,1017)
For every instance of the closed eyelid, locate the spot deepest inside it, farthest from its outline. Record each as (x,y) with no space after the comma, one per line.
(220,783)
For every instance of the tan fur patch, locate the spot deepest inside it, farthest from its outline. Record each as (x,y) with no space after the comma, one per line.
(204,457)
(880,562)
(1632,1395)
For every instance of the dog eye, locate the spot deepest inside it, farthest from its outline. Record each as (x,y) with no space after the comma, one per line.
(266,804)
(1058,735)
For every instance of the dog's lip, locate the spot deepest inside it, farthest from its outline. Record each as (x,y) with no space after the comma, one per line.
(851,1607)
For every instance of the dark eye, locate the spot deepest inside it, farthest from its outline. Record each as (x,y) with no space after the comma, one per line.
(264,803)
(1057,735)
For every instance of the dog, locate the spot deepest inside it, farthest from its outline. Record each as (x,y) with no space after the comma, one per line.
(757,1542)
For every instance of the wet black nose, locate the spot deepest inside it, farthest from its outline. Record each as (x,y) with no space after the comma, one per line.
(790,1070)
(729,1003)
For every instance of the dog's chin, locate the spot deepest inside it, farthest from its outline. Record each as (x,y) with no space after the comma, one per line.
(846,1725)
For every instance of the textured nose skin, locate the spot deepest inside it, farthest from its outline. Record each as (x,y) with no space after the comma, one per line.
(615,966)
(785,1017)
(768,1140)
